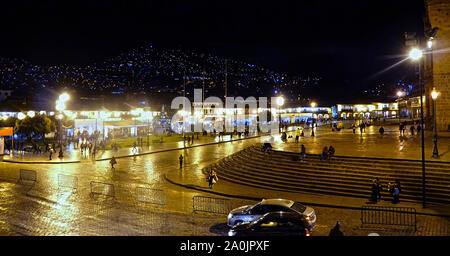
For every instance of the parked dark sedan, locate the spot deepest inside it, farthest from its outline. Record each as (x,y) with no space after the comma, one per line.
(272,224)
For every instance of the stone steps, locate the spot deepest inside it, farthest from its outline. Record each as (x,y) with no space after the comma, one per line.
(301,171)
(328,166)
(278,171)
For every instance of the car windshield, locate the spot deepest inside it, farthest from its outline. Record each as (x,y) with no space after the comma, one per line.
(298,207)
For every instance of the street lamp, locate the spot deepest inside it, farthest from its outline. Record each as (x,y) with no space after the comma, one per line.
(434,95)
(61,106)
(280,102)
(313,105)
(416,55)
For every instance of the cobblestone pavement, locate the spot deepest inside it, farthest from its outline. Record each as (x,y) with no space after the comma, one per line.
(47,208)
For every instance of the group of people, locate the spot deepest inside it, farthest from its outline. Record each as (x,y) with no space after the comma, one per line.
(189,139)
(412,128)
(394,190)
(327,153)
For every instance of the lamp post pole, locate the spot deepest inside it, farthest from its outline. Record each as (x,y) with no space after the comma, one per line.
(435,148)
(423,136)
(61,154)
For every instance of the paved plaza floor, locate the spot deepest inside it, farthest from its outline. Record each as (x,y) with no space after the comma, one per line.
(48,208)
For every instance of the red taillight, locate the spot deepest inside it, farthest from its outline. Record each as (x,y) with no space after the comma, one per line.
(308,234)
(308,218)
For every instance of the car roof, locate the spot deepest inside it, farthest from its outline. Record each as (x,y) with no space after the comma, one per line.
(279,201)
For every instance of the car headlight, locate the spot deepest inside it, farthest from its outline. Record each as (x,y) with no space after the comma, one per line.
(231,233)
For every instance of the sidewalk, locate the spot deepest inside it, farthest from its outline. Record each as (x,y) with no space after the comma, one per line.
(74,155)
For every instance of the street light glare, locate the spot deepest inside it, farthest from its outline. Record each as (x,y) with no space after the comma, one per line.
(399,93)
(434,94)
(430,43)
(313,104)
(64,97)
(21,116)
(280,101)
(415,54)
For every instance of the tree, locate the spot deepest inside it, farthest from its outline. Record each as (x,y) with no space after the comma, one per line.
(36,126)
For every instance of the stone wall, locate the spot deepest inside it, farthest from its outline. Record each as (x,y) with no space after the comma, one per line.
(438,15)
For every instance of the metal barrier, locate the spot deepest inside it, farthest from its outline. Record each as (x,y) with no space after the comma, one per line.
(150,195)
(385,215)
(211,204)
(100,188)
(28,175)
(67,181)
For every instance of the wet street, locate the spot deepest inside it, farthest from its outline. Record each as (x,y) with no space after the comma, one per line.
(60,201)
(47,208)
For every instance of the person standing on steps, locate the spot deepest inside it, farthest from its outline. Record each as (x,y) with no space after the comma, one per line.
(379,189)
(374,196)
(302,153)
(181,160)
(212,178)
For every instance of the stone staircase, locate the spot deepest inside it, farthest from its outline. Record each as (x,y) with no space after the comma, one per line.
(342,176)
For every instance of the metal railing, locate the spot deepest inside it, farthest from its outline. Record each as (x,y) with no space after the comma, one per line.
(150,195)
(385,215)
(67,181)
(100,188)
(27,175)
(211,204)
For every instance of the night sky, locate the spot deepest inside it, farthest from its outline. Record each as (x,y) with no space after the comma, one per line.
(345,42)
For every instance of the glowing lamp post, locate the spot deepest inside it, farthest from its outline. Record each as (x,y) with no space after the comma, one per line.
(434,95)
(416,55)
(61,106)
(280,102)
(313,105)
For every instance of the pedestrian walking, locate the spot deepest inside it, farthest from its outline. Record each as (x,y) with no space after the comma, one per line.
(400,128)
(50,155)
(297,134)
(354,128)
(381,131)
(419,128)
(212,179)
(112,162)
(181,161)
(336,230)
(412,128)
